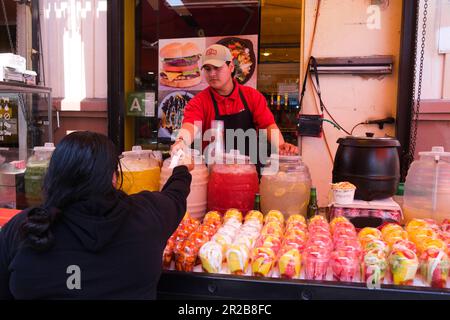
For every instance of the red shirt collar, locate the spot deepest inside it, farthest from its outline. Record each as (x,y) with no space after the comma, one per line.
(233,96)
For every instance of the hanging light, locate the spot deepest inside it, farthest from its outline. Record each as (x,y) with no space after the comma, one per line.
(266,53)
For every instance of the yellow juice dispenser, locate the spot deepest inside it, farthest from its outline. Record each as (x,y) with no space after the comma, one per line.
(285,186)
(141,171)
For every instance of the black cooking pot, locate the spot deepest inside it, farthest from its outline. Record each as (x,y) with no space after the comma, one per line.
(371,164)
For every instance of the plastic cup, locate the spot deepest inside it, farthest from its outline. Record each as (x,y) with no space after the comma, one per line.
(316,261)
(345,265)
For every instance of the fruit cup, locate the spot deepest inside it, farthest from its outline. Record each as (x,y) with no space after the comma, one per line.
(315,261)
(375,245)
(296,219)
(373,267)
(349,245)
(254,214)
(338,221)
(213,217)
(345,265)
(434,266)
(237,258)
(232,213)
(289,263)
(263,259)
(404,264)
(211,257)
(445,226)
(274,215)
(344,233)
(321,240)
(269,241)
(405,244)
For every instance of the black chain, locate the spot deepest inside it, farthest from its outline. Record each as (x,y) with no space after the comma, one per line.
(416,104)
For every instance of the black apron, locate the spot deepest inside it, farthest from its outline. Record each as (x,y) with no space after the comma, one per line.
(241,120)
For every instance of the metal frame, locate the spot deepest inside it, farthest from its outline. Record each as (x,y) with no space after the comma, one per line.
(116,95)
(12,87)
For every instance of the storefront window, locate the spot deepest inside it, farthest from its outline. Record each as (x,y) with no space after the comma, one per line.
(263,35)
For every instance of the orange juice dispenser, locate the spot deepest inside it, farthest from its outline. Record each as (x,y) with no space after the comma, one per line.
(141,171)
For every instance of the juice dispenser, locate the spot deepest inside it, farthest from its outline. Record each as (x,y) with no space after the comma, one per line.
(35,172)
(197,199)
(12,172)
(141,171)
(232,183)
(285,186)
(427,187)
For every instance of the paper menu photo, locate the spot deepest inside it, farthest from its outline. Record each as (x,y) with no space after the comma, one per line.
(180,62)
(244,57)
(171,112)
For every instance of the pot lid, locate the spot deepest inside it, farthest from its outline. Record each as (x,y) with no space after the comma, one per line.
(369,142)
(275,157)
(137,151)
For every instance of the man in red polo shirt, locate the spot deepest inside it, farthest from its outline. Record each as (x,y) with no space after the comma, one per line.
(238,106)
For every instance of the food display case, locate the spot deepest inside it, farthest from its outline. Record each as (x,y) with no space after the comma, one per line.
(25,122)
(197,285)
(242,258)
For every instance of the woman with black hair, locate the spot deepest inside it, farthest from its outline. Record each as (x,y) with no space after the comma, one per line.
(89,240)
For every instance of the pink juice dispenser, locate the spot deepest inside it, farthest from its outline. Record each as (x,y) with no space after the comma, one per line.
(233,183)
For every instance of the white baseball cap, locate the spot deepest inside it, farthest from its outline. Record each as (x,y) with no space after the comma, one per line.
(216,55)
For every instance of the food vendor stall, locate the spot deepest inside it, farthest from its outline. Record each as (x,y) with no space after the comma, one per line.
(364,93)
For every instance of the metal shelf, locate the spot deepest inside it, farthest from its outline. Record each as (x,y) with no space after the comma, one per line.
(22,88)
(13,87)
(195,285)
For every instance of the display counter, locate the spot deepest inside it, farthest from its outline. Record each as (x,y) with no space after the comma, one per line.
(197,285)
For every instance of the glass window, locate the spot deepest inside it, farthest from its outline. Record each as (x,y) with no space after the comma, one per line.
(276,24)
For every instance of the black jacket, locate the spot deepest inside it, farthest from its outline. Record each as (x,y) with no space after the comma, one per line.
(107,248)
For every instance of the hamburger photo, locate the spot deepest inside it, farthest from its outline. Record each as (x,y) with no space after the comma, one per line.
(180,65)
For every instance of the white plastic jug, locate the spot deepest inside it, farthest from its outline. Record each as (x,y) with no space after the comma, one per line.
(197,199)
(427,187)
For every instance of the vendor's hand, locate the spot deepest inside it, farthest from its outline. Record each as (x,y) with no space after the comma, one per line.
(287,149)
(177,145)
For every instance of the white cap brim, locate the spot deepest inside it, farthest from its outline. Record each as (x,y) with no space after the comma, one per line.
(215,62)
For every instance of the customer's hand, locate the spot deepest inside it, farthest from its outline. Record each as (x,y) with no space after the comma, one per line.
(188,162)
(287,149)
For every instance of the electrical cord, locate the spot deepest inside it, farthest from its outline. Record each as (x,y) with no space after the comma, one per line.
(329,114)
(329,121)
(351,132)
